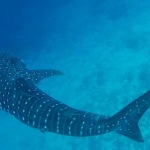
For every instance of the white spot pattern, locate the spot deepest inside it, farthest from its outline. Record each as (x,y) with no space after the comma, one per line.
(20,97)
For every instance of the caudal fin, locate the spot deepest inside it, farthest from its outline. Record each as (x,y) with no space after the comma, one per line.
(127,119)
(133,133)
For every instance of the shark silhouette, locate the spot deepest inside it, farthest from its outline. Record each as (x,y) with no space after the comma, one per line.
(20,97)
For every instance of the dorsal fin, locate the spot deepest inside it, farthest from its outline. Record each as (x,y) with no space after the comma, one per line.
(38,75)
(26,87)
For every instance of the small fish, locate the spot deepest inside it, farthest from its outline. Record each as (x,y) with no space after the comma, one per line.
(20,97)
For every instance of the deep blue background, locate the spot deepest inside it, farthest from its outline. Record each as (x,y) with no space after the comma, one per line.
(26,24)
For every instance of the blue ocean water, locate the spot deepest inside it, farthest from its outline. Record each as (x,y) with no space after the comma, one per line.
(103,49)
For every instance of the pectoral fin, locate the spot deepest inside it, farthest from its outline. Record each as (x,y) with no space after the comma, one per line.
(38,75)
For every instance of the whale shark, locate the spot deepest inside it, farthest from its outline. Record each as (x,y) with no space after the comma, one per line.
(20,97)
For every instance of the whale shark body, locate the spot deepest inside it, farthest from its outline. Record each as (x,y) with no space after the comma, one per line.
(20,97)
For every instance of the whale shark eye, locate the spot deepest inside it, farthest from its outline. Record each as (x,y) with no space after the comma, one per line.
(13,61)
(17,64)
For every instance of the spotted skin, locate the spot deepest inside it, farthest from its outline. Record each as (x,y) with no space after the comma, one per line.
(20,97)
(38,75)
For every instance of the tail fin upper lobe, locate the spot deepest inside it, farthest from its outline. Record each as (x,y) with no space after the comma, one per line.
(127,119)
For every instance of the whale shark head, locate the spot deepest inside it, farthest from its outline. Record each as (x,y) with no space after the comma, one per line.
(12,67)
